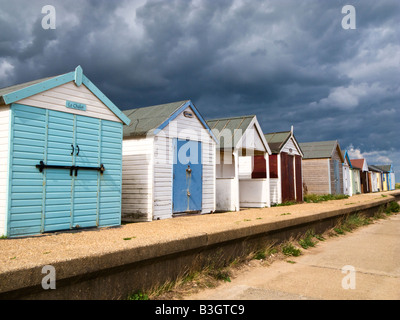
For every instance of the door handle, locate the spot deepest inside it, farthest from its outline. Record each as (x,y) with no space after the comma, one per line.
(73,149)
(77,153)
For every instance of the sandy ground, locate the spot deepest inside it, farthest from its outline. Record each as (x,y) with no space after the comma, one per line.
(20,253)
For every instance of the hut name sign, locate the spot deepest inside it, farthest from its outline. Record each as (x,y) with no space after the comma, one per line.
(76,105)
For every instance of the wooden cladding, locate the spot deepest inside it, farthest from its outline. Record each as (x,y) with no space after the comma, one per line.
(299,179)
(287,177)
(364,182)
(259,168)
(273,166)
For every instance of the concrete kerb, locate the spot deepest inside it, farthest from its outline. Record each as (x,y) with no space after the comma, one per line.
(82,269)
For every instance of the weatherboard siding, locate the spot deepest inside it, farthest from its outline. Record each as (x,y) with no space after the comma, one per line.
(209,172)
(28,148)
(251,139)
(315,176)
(275,184)
(55,99)
(137,179)
(163,174)
(4,153)
(290,148)
(110,189)
(336,157)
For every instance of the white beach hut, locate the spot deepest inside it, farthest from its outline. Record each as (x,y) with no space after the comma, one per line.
(237,185)
(168,163)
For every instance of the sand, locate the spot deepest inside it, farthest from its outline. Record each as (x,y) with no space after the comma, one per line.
(34,251)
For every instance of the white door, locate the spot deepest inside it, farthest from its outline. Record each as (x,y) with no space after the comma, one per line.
(346,180)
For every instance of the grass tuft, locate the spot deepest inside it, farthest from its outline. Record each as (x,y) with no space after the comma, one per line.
(285,204)
(393,207)
(138,296)
(307,241)
(288,249)
(314,198)
(351,223)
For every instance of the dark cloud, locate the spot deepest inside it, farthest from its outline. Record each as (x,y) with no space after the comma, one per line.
(288,62)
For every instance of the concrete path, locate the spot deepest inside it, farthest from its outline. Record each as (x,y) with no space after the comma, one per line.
(373,252)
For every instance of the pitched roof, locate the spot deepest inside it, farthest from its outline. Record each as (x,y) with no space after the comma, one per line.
(150,120)
(277,140)
(4,91)
(384,168)
(147,119)
(357,163)
(21,91)
(236,126)
(374,168)
(231,131)
(346,156)
(360,164)
(320,149)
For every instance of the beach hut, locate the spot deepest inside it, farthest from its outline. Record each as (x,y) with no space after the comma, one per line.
(374,182)
(168,163)
(240,181)
(389,178)
(365,177)
(347,176)
(285,167)
(355,180)
(376,177)
(322,167)
(61,156)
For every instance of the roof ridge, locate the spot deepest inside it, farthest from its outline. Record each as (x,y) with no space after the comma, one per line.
(277,132)
(158,105)
(319,141)
(232,118)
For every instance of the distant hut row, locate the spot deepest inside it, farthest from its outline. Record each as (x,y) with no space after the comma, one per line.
(327,170)
(71,159)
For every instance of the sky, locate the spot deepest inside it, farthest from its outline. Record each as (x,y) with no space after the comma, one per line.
(290,63)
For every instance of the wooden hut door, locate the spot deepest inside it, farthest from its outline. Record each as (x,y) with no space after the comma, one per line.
(58,182)
(71,195)
(346,180)
(336,169)
(299,179)
(287,177)
(369,182)
(86,182)
(364,182)
(187,176)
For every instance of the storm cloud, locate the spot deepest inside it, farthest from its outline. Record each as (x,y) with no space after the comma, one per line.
(288,62)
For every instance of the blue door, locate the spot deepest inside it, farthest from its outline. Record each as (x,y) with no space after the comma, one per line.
(58,183)
(71,196)
(187,176)
(86,182)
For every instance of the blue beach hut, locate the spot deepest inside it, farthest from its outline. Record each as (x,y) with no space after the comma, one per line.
(60,156)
